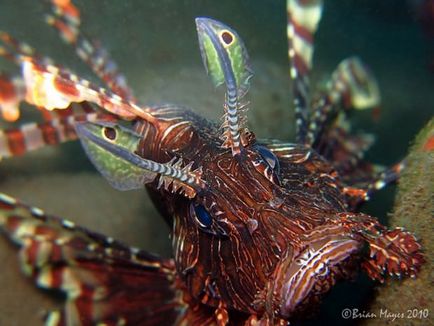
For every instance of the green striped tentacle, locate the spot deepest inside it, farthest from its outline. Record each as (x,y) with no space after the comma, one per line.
(226,61)
(112,149)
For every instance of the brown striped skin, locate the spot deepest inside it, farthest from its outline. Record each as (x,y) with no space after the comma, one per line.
(272,226)
(267,235)
(277,240)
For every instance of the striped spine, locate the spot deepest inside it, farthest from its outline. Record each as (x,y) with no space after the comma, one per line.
(33,136)
(12,92)
(52,87)
(65,18)
(388,176)
(12,46)
(104,281)
(352,85)
(180,179)
(303,19)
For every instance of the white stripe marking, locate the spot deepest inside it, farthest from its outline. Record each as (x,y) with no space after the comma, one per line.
(32,136)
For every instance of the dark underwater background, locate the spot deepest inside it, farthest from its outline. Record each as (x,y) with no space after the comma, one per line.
(155,45)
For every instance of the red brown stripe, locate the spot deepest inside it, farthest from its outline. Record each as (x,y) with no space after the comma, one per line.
(302,32)
(301,65)
(64,85)
(56,277)
(65,30)
(7,89)
(56,253)
(13,222)
(49,134)
(6,206)
(87,107)
(32,253)
(45,232)
(37,66)
(16,141)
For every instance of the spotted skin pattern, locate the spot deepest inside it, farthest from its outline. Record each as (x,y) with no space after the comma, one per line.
(260,229)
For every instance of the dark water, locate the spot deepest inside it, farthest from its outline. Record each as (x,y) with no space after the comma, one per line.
(156,39)
(155,45)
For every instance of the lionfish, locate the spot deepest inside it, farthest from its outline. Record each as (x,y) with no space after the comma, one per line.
(261,229)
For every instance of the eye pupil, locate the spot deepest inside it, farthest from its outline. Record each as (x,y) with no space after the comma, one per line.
(203,217)
(109,133)
(227,38)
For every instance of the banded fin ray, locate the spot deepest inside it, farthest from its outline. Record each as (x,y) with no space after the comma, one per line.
(33,136)
(16,89)
(53,87)
(65,18)
(12,93)
(104,280)
(303,20)
(351,86)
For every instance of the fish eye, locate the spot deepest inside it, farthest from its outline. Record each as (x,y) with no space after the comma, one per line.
(202,216)
(227,37)
(109,133)
(269,158)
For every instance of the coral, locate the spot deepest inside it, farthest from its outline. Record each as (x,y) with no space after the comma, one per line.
(413,209)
